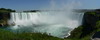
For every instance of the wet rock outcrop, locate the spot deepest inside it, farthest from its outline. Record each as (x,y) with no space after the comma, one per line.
(5,16)
(90,25)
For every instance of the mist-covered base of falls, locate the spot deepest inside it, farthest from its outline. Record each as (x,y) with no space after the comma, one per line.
(57,24)
(53,30)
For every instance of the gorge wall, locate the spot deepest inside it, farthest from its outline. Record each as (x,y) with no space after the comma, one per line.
(5,16)
(89,26)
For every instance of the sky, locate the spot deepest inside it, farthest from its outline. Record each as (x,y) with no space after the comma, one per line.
(39,4)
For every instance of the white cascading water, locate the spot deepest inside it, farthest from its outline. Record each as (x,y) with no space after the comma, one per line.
(55,23)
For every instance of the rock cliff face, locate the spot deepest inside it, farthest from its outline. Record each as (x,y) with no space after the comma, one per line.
(4,17)
(88,28)
(89,22)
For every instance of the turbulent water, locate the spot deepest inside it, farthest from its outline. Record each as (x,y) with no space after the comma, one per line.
(58,21)
(57,24)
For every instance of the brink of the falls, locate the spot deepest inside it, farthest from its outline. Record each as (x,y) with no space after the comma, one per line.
(57,24)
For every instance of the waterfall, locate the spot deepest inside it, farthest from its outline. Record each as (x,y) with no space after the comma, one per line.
(58,21)
(57,24)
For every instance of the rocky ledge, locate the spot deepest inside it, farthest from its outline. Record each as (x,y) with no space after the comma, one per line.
(5,16)
(90,25)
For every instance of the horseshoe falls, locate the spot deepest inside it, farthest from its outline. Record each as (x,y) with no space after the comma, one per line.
(58,24)
(59,21)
